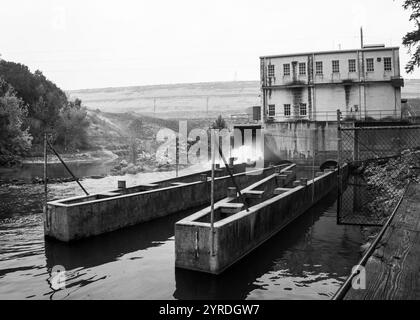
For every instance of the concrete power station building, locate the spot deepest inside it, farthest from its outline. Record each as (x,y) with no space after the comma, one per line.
(300,95)
(363,83)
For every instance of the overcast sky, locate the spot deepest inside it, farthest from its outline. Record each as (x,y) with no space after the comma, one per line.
(101,43)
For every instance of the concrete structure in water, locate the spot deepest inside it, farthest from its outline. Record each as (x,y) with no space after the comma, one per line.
(81,217)
(363,83)
(273,202)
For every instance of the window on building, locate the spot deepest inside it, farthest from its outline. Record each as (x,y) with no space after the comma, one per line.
(387,64)
(369,65)
(271,110)
(271,70)
(318,68)
(286,69)
(335,66)
(287,110)
(302,68)
(302,109)
(352,65)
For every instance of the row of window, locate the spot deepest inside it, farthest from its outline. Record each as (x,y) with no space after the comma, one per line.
(287,110)
(319,68)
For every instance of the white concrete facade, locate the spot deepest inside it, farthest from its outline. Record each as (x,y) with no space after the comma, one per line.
(362,83)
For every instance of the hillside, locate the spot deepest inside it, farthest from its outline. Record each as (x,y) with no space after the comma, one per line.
(175,100)
(109,131)
(188,100)
(411,89)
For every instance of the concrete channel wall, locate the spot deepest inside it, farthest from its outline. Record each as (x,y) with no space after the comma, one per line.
(81,217)
(240,233)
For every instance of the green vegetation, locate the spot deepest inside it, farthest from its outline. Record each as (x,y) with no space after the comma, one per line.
(136,128)
(30,105)
(15,139)
(71,126)
(219,123)
(412,39)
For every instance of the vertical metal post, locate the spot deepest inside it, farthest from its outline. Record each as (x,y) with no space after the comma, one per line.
(355,146)
(313,163)
(339,149)
(176,156)
(213,155)
(45,174)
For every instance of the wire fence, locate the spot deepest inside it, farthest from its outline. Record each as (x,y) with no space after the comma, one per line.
(381,159)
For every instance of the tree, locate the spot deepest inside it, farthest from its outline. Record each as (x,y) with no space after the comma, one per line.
(412,39)
(15,139)
(42,97)
(72,126)
(219,123)
(136,128)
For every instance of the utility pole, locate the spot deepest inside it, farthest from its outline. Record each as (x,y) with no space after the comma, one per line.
(213,156)
(154,106)
(176,156)
(45,175)
(361,37)
(207,106)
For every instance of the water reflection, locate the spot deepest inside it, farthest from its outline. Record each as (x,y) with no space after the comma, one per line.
(28,171)
(308,259)
(98,250)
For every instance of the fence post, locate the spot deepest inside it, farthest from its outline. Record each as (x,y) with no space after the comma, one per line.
(45,176)
(339,149)
(176,156)
(355,146)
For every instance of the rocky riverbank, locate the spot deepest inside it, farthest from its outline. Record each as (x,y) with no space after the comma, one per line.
(386,181)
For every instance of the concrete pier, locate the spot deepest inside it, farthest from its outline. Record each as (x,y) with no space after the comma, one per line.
(81,217)
(273,204)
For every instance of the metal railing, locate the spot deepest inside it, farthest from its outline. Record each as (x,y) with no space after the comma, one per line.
(331,116)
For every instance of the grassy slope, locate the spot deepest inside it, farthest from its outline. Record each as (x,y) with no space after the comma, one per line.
(110,130)
(175,101)
(119,106)
(188,100)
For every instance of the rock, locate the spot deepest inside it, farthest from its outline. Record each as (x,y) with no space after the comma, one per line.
(364,247)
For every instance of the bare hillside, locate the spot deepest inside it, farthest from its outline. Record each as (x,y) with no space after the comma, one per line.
(175,100)
(188,100)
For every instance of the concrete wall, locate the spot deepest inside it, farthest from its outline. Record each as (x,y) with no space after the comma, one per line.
(82,218)
(375,100)
(296,141)
(240,233)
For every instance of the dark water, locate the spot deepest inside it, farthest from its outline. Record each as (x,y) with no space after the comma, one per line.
(56,170)
(309,259)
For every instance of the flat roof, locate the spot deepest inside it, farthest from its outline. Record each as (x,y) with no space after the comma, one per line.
(329,52)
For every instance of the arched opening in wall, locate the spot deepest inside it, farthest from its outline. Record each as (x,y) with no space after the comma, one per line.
(329,164)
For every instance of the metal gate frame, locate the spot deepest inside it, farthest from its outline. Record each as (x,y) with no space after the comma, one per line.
(365,201)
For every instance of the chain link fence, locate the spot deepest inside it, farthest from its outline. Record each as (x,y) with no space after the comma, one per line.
(381,159)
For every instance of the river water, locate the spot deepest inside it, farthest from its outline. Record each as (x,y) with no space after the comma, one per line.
(309,259)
